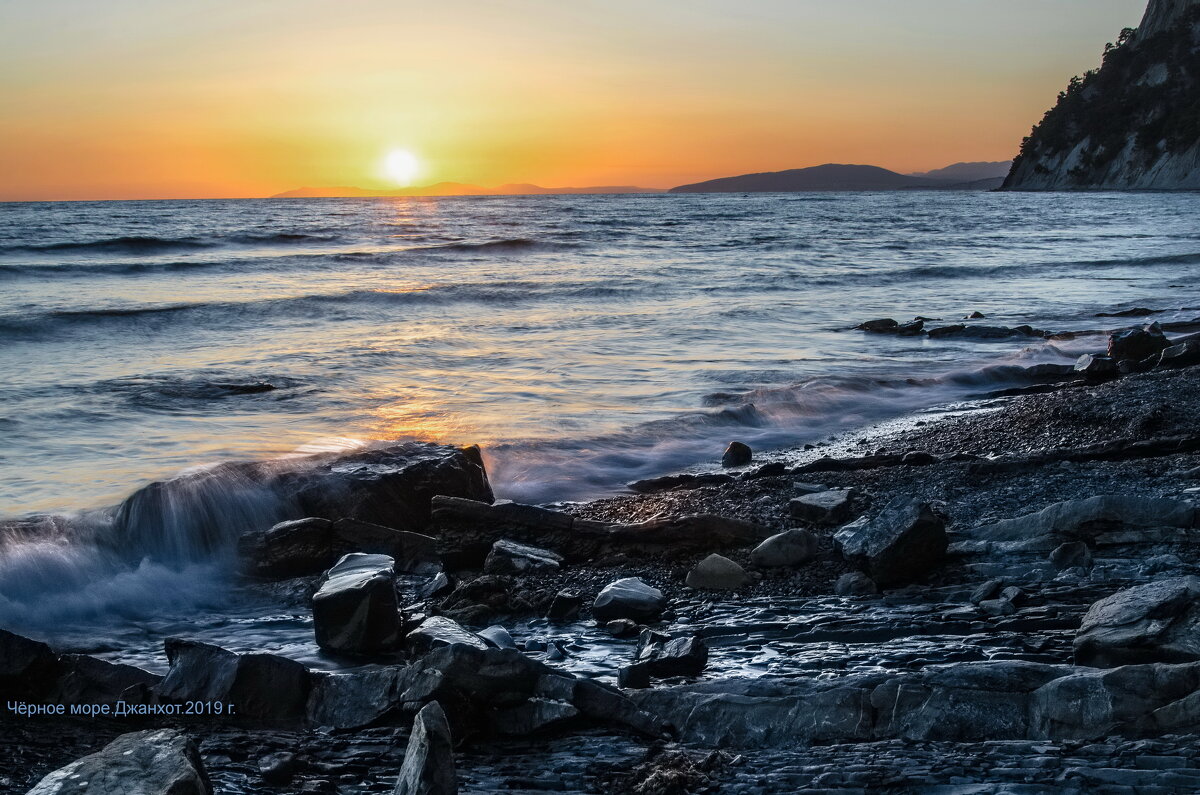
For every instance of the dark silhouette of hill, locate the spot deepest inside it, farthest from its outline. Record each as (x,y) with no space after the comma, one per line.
(969,172)
(829,177)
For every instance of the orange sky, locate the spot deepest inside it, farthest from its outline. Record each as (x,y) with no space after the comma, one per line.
(154,99)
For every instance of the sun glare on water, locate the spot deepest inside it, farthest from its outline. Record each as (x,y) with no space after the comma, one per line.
(401,167)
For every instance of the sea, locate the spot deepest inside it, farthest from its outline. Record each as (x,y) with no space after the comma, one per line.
(583,341)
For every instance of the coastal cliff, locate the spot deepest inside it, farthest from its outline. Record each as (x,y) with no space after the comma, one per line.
(1132,124)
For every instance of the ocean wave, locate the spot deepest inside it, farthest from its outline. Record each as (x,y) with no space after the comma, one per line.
(142,244)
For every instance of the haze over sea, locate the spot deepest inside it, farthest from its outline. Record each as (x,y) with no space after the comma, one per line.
(584,341)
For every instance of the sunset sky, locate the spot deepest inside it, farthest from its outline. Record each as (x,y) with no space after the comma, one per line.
(232,98)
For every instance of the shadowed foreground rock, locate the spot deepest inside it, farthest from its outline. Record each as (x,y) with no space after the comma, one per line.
(1156,622)
(162,762)
(428,767)
(355,609)
(906,541)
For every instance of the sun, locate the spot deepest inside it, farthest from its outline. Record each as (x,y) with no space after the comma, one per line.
(401,166)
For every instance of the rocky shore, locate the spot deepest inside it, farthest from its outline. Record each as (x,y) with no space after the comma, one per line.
(999,598)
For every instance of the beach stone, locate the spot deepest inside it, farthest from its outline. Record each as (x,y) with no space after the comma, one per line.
(635,676)
(628,598)
(1072,554)
(823,508)
(988,590)
(1156,622)
(717,573)
(27,667)
(83,679)
(411,553)
(790,548)
(565,607)
(997,607)
(976,315)
(903,543)
(288,549)
(1137,344)
(1186,354)
(854,583)
(437,585)
(264,688)
(278,769)
(737,454)
(801,487)
(497,637)
(355,609)
(885,325)
(621,628)
(911,329)
(437,631)
(160,762)
(509,557)
(679,657)
(1096,367)
(428,767)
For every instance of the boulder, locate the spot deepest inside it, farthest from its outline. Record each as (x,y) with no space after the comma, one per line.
(737,454)
(278,769)
(987,590)
(565,606)
(411,553)
(1096,367)
(1071,555)
(509,557)
(1156,622)
(854,583)
(884,325)
(261,687)
(482,600)
(535,715)
(717,573)
(823,508)
(162,762)
(497,637)
(355,610)
(1137,343)
(906,541)
(628,598)
(357,699)
(437,631)
(1186,354)
(1087,519)
(684,656)
(90,680)
(428,767)
(790,548)
(27,667)
(289,549)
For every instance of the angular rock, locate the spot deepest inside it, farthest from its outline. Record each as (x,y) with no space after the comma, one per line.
(90,680)
(717,573)
(278,769)
(497,637)
(27,667)
(288,549)
(628,598)
(1186,354)
(437,631)
(790,548)
(1137,344)
(823,508)
(565,607)
(684,481)
(428,767)
(481,600)
(261,687)
(737,454)
(906,541)
(357,699)
(411,553)
(1088,518)
(988,590)
(854,583)
(1096,367)
(1156,622)
(535,715)
(355,609)
(1071,555)
(509,557)
(685,656)
(162,762)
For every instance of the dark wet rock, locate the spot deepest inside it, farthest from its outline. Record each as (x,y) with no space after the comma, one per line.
(484,600)
(438,585)
(635,676)
(1096,367)
(90,680)
(278,769)
(790,548)
(428,767)
(737,454)
(357,699)
(412,553)
(1130,700)
(775,469)
(1138,343)
(717,573)
(685,481)
(976,315)
(27,667)
(355,610)
(628,598)
(854,583)
(161,762)
(289,549)
(918,458)
(468,529)
(437,631)
(963,331)
(903,543)
(1136,312)
(988,590)
(685,656)
(997,607)
(1071,555)
(263,688)
(1156,622)
(621,628)
(565,607)
(1184,355)
(1051,372)
(509,557)
(497,637)
(535,715)
(823,508)
(884,325)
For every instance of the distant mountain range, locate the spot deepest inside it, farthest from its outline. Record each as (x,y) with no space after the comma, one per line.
(837,177)
(457,189)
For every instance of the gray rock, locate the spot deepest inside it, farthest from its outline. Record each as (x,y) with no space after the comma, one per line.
(802,487)
(437,631)
(535,715)
(355,609)
(1096,367)
(565,606)
(1186,354)
(1137,344)
(621,628)
(412,553)
(288,549)
(854,583)
(498,637)
(717,573)
(628,598)
(278,769)
(162,762)
(823,508)
(1072,554)
(263,688)
(906,541)
(790,548)
(428,767)
(1087,518)
(988,590)
(737,454)
(665,657)
(997,607)
(509,557)
(90,680)
(354,700)
(1157,622)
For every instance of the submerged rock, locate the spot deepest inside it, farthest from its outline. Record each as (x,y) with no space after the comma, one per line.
(509,557)
(737,454)
(428,767)
(1157,622)
(717,573)
(790,548)
(906,541)
(162,762)
(355,610)
(628,598)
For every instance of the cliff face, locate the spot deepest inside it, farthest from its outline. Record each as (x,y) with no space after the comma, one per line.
(1133,124)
